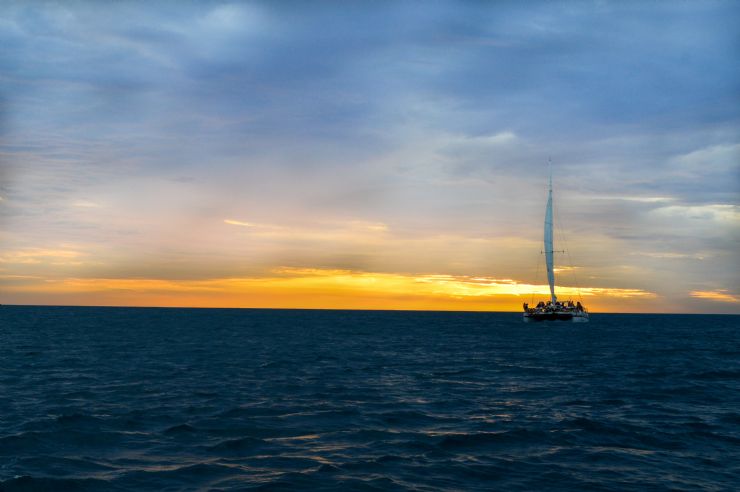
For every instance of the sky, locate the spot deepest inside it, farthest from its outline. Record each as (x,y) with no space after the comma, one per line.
(370,155)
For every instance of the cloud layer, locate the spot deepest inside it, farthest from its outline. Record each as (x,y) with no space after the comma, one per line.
(198,141)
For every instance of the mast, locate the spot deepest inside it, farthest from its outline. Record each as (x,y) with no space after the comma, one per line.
(548,241)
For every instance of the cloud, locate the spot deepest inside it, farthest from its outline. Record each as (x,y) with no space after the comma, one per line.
(720,158)
(668,255)
(238,223)
(640,199)
(376,137)
(41,255)
(715,295)
(723,212)
(86,204)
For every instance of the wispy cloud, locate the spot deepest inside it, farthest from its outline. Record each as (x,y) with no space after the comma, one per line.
(86,204)
(719,158)
(238,223)
(670,255)
(715,212)
(642,199)
(715,295)
(40,255)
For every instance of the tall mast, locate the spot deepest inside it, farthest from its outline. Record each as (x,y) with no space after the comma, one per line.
(548,241)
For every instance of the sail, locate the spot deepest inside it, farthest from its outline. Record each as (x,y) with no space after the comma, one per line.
(548,244)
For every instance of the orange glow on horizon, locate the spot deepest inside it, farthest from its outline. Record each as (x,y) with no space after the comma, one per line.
(325,289)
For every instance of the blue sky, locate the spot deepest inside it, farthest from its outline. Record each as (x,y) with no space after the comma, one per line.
(399,138)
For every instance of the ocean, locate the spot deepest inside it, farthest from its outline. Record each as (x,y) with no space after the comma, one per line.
(119,399)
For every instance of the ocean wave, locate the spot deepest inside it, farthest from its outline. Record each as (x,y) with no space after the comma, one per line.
(46,484)
(185,400)
(241,445)
(483,440)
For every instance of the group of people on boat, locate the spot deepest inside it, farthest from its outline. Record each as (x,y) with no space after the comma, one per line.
(549,306)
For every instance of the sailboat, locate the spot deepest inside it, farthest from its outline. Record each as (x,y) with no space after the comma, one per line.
(553,310)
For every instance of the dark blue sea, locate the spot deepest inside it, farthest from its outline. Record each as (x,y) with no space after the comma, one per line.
(119,399)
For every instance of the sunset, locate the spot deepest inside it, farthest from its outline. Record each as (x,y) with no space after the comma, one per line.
(148,153)
(362,245)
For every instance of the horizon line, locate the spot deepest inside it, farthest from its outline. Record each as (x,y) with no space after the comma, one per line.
(340,309)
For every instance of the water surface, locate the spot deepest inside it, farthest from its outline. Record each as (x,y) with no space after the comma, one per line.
(202,399)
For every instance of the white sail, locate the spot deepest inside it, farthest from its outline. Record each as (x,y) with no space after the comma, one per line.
(548,243)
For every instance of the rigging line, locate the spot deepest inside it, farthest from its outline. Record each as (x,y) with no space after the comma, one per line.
(567,250)
(536,278)
(537,270)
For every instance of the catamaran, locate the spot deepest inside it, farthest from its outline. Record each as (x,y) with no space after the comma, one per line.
(553,309)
